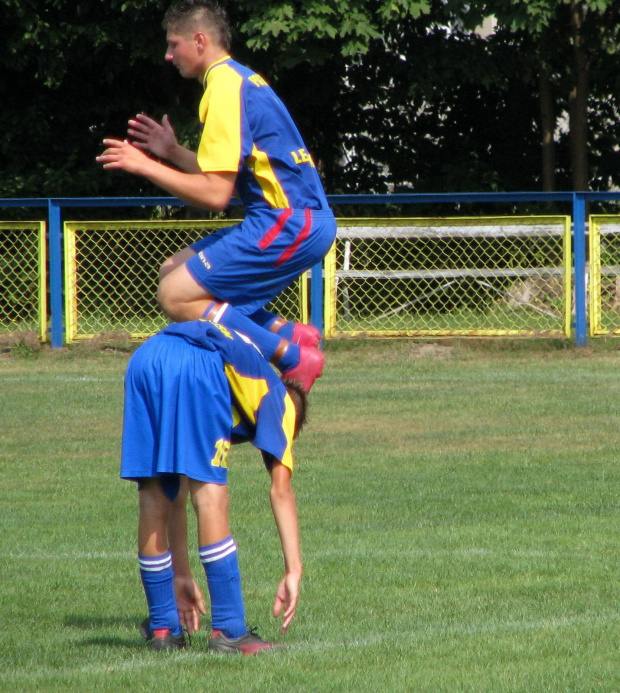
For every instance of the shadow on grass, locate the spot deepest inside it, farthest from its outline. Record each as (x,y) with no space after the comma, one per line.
(102,623)
(107,623)
(84,622)
(136,643)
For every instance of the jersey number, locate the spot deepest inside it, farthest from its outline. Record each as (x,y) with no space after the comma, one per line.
(222,446)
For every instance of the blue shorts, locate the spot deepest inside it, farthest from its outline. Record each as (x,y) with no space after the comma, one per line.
(177,417)
(249,264)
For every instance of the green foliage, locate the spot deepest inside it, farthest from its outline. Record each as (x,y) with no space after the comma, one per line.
(389,94)
(348,26)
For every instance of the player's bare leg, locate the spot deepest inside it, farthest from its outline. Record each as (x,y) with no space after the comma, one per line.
(295,332)
(296,362)
(218,554)
(153,520)
(210,503)
(182,298)
(163,628)
(179,295)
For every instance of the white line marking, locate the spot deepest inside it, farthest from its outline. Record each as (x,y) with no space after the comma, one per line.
(127,665)
(368,641)
(63,555)
(322,553)
(58,379)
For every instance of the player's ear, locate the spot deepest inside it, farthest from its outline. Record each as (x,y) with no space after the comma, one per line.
(300,400)
(200,39)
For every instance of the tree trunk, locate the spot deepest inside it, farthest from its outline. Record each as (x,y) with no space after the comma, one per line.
(547,127)
(578,103)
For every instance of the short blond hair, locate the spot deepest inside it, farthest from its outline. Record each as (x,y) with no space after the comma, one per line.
(190,15)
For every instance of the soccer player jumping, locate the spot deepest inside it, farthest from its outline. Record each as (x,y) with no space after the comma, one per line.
(249,147)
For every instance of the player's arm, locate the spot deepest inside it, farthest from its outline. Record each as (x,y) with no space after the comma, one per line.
(159,139)
(284,508)
(190,600)
(212,190)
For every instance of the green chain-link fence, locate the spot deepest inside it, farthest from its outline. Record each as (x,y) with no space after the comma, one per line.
(111,274)
(450,276)
(413,276)
(604,274)
(23,279)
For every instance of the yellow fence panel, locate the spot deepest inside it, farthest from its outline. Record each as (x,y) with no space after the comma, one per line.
(111,274)
(604,274)
(474,276)
(23,278)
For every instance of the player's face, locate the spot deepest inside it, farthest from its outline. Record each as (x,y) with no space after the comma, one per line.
(182,52)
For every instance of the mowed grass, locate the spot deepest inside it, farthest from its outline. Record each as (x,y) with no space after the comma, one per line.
(460,523)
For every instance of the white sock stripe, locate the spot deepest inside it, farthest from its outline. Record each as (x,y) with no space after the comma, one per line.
(162,558)
(218,552)
(155,563)
(156,570)
(220,313)
(219,556)
(204,551)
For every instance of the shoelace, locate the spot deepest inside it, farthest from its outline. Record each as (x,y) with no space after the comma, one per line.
(252,631)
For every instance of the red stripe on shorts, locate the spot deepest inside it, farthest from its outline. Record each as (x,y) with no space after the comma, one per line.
(275,230)
(301,237)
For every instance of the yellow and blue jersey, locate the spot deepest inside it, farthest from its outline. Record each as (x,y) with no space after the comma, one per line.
(247,130)
(262,410)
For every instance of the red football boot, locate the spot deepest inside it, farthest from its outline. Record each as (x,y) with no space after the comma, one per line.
(310,367)
(306,335)
(248,644)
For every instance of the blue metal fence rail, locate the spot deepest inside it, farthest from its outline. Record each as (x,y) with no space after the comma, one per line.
(577,200)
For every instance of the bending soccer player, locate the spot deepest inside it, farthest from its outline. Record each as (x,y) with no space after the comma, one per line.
(250,145)
(190,392)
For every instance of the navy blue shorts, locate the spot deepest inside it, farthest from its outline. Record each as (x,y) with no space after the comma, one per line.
(177,417)
(249,264)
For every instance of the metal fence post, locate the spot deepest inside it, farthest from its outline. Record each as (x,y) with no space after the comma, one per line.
(579,245)
(316,296)
(55,270)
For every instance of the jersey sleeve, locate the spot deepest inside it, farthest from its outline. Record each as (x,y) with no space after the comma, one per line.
(267,413)
(220,147)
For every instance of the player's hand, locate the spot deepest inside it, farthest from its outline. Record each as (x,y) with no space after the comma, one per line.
(121,154)
(150,136)
(286,599)
(190,603)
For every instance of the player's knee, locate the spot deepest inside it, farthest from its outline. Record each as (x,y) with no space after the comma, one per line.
(209,500)
(169,305)
(175,305)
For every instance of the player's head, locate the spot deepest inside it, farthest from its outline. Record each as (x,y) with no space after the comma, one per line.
(190,16)
(300,400)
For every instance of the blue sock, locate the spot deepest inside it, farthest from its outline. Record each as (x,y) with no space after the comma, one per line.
(265,340)
(224,581)
(266,319)
(157,580)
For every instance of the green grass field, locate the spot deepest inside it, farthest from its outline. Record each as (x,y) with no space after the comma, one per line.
(460,524)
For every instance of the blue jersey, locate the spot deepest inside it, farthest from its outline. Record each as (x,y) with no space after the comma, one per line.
(248,131)
(262,410)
